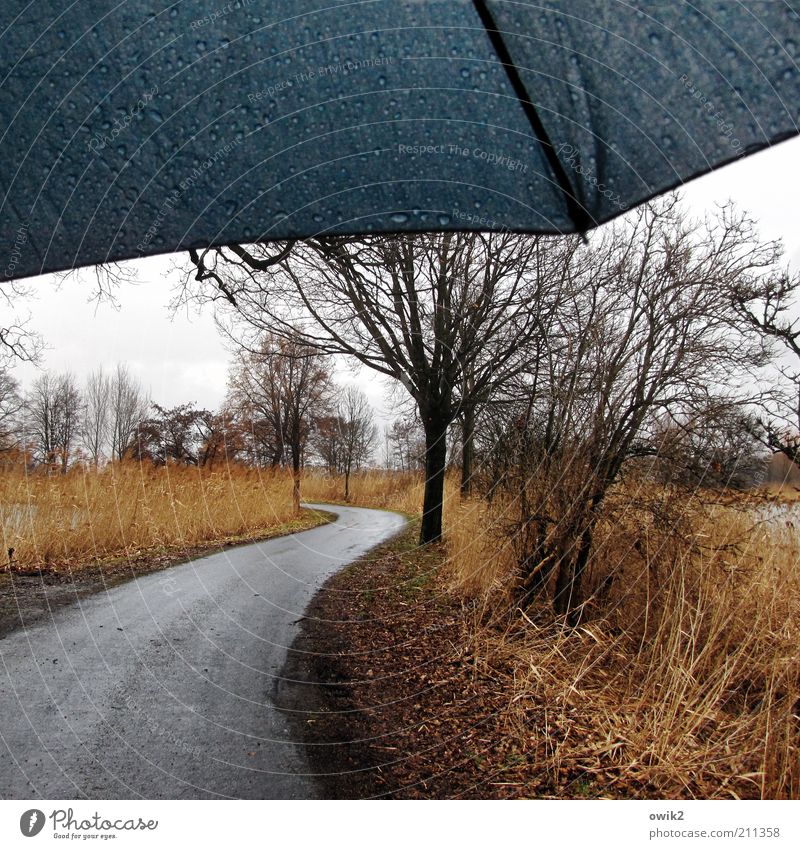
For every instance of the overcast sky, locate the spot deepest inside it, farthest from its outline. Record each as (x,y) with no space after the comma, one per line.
(182,358)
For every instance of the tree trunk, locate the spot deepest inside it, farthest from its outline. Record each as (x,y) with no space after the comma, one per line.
(569,593)
(467,442)
(435,460)
(562,599)
(347,484)
(537,564)
(296,479)
(296,490)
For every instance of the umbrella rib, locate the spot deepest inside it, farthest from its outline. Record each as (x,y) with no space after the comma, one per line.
(582,220)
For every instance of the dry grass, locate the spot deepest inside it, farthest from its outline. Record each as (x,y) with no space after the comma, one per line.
(685,680)
(128,509)
(379,489)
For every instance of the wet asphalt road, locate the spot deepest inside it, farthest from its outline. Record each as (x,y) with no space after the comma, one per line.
(161,687)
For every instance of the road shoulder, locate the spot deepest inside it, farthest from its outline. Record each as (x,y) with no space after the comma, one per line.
(383,690)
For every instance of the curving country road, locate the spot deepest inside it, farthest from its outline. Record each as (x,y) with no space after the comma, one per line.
(161,687)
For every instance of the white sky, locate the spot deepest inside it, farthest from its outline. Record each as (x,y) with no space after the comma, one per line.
(183,359)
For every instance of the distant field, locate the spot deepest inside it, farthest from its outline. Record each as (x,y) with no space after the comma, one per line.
(785,491)
(385,490)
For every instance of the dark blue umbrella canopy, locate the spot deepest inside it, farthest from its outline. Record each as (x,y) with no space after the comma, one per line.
(133,128)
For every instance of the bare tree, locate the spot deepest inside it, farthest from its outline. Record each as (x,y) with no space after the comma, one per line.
(218,438)
(96,415)
(280,387)
(182,434)
(255,395)
(346,439)
(18,341)
(720,445)
(129,406)
(53,409)
(10,409)
(327,442)
(640,335)
(767,305)
(406,444)
(425,309)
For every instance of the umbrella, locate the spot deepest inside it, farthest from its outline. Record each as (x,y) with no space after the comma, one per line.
(133,128)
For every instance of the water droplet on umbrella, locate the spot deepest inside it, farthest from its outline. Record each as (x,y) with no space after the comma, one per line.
(399,217)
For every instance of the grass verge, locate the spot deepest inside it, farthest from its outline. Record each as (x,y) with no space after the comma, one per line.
(384,688)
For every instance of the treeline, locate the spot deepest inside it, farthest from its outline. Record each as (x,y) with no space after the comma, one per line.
(282,409)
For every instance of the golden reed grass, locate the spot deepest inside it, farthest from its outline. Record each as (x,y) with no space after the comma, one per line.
(128,509)
(684,680)
(399,491)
